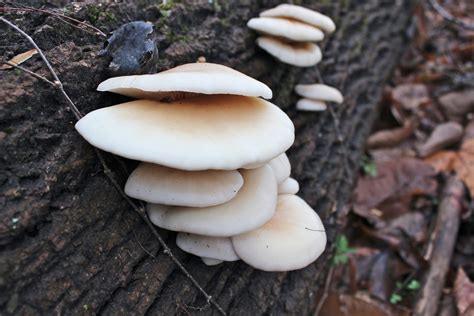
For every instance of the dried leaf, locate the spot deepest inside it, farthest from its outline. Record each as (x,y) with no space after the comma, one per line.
(411,96)
(464,165)
(397,180)
(359,304)
(20,58)
(464,292)
(444,135)
(390,137)
(457,104)
(442,161)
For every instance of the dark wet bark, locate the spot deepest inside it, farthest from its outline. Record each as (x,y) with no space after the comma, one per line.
(71,245)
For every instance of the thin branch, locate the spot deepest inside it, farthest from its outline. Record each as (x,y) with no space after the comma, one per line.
(59,16)
(34,74)
(138,209)
(449,17)
(326,292)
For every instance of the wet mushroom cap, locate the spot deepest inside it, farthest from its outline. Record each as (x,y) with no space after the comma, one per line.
(281,167)
(311,105)
(296,54)
(305,15)
(200,78)
(291,240)
(209,247)
(319,92)
(289,186)
(289,29)
(159,184)
(252,207)
(198,133)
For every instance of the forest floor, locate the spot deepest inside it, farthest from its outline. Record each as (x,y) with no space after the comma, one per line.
(407,218)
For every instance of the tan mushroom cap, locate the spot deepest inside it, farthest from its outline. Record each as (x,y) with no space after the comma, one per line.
(289,29)
(296,54)
(281,167)
(209,247)
(207,132)
(210,261)
(291,240)
(159,184)
(305,15)
(289,186)
(319,92)
(252,207)
(175,83)
(311,105)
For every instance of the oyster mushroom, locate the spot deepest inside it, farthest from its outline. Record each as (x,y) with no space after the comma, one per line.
(297,54)
(216,248)
(223,132)
(187,80)
(158,184)
(302,14)
(292,239)
(252,207)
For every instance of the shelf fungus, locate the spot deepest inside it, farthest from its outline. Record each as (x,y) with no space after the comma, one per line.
(316,95)
(289,32)
(213,162)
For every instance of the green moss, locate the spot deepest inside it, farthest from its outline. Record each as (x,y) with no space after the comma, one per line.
(98,12)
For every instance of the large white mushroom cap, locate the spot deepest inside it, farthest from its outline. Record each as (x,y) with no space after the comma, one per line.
(205,78)
(158,184)
(319,92)
(302,14)
(281,167)
(311,105)
(289,29)
(296,54)
(289,186)
(207,132)
(209,247)
(291,240)
(253,206)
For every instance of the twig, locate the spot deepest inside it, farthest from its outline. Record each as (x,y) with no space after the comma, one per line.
(326,292)
(59,16)
(34,74)
(140,210)
(441,247)
(448,16)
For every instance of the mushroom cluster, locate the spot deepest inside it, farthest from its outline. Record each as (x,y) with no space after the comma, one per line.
(316,95)
(213,164)
(289,32)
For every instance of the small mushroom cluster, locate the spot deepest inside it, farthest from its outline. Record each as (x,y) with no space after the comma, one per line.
(316,95)
(289,32)
(213,165)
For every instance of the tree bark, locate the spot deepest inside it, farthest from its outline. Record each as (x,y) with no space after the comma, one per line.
(71,245)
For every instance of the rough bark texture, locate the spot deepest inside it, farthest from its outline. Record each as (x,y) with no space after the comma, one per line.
(71,245)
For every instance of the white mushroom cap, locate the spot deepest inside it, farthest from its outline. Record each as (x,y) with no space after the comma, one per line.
(310,105)
(296,54)
(205,78)
(289,186)
(158,184)
(207,132)
(210,261)
(291,240)
(302,14)
(281,167)
(319,92)
(289,29)
(252,207)
(209,247)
